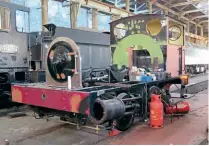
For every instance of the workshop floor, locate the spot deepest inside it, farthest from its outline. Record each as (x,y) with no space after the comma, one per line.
(190,129)
(28,130)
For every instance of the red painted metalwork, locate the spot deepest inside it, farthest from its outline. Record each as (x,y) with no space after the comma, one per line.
(114,132)
(65,100)
(180,107)
(156,111)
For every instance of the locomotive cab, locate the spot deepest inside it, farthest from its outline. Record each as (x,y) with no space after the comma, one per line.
(158,42)
(14,51)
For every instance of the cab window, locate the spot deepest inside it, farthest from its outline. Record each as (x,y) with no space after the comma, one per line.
(22,21)
(4,19)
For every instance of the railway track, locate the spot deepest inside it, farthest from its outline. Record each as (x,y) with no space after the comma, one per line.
(204,142)
(40,133)
(53,132)
(193,88)
(6,111)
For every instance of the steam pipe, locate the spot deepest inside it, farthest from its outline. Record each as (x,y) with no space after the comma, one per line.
(129,106)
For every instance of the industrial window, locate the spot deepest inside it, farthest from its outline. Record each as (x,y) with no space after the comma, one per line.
(85,18)
(22,21)
(58,14)
(103,20)
(4,19)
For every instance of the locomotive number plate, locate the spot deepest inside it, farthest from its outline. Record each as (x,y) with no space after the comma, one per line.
(9,48)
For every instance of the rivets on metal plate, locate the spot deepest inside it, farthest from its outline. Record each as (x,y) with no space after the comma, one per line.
(43,96)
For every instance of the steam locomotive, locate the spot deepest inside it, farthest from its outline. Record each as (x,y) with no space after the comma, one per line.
(83,85)
(14,49)
(22,53)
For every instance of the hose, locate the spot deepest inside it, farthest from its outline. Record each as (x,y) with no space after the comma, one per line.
(168,106)
(189,97)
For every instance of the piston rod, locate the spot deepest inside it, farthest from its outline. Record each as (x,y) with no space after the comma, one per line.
(134,98)
(128,113)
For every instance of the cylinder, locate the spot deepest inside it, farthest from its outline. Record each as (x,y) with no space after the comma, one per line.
(180,108)
(105,110)
(156,111)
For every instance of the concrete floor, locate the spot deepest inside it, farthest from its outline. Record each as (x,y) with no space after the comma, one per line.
(190,129)
(28,130)
(198,78)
